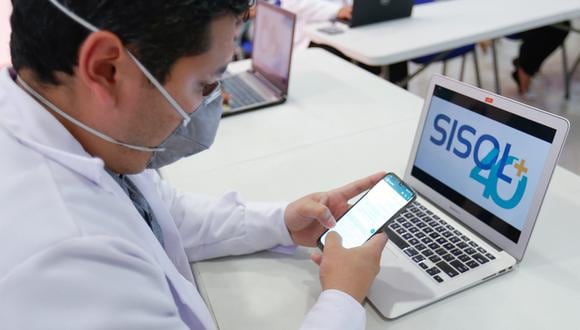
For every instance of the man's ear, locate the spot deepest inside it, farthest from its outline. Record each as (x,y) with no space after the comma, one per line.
(100,57)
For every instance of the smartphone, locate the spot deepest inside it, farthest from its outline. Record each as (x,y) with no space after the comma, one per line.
(383,202)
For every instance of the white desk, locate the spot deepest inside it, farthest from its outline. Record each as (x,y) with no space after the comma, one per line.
(270,291)
(444,25)
(327,99)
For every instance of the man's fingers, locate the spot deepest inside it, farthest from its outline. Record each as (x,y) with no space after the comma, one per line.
(316,258)
(319,211)
(333,239)
(377,243)
(355,188)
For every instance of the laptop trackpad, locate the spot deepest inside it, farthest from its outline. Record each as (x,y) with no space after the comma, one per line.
(400,286)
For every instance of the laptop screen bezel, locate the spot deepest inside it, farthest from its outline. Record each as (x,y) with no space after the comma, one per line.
(559,124)
(282,84)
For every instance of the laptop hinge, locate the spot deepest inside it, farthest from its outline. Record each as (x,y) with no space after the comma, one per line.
(266,82)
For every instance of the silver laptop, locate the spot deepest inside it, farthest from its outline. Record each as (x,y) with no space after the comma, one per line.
(266,83)
(481,165)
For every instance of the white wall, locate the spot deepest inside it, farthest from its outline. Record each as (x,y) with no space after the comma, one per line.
(5,11)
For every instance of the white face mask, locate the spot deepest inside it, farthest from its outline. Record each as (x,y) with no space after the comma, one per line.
(196,133)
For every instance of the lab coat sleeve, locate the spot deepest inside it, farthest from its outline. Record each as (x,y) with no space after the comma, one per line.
(309,11)
(335,310)
(216,227)
(88,283)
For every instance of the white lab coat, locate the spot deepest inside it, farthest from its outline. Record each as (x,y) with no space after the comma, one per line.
(311,11)
(76,254)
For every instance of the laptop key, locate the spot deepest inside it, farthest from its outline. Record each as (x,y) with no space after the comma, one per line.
(481,250)
(395,226)
(481,259)
(418,258)
(427,252)
(420,247)
(441,240)
(438,278)
(464,258)
(462,245)
(413,241)
(490,256)
(472,264)
(470,251)
(433,271)
(420,235)
(459,266)
(456,252)
(422,265)
(407,236)
(427,240)
(434,259)
(447,269)
(433,246)
(434,235)
(413,230)
(447,234)
(449,246)
(427,230)
(472,243)
(441,252)
(454,240)
(448,257)
(410,252)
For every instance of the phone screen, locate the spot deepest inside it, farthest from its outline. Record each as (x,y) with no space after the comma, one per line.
(381,203)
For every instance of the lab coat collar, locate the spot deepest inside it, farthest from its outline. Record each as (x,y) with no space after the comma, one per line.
(34,126)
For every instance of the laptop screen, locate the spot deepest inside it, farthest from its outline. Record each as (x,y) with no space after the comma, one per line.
(273,40)
(484,159)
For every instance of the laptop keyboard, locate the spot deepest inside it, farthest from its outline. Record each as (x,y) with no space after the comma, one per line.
(435,246)
(241,94)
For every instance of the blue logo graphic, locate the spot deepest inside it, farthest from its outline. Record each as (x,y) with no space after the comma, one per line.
(460,137)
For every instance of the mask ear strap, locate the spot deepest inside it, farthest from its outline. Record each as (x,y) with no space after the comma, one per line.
(162,90)
(184,115)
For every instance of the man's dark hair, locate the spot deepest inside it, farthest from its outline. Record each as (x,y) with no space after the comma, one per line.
(158,32)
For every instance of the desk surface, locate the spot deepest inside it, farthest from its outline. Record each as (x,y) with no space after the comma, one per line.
(267,290)
(328,98)
(444,25)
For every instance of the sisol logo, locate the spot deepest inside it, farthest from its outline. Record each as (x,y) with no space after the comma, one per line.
(464,142)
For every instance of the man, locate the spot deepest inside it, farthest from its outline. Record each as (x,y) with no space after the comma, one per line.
(102,93)
(537,45)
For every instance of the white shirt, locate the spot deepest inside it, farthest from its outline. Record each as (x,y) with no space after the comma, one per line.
(312,11)
(76,254)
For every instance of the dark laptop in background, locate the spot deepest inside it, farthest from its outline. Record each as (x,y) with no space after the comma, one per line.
(266,83)
(366,12)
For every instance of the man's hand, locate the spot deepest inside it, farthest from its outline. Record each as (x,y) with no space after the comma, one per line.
(308,217)
(351,271)
(345,13)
